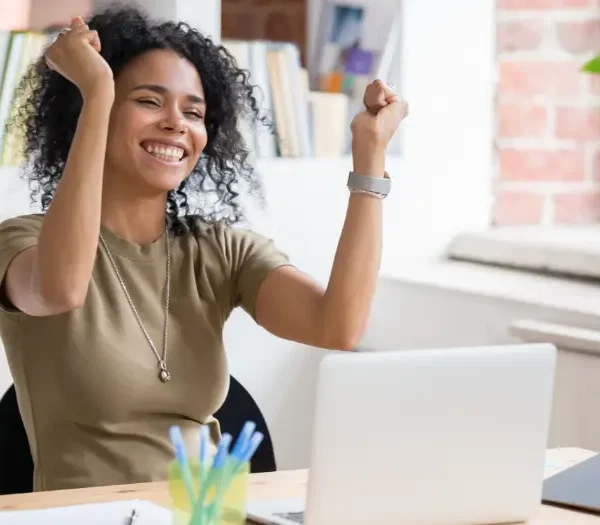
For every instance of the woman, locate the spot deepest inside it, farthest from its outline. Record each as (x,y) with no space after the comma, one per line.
(114,300)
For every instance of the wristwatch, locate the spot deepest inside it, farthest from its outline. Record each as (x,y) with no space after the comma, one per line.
(375,186)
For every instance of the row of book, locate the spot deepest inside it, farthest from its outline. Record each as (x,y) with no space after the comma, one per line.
(304,122)
(281,89)
(307,123)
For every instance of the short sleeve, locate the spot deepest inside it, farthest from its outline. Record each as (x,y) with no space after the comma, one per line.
(16,234)
(249,258)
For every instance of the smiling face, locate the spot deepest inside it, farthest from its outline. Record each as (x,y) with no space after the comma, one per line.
(157,130)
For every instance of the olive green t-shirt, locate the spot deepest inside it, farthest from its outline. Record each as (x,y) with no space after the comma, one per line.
(87,381)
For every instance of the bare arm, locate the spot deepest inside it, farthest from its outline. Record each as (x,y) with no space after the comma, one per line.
(293,306)
(290,304)
(53,277)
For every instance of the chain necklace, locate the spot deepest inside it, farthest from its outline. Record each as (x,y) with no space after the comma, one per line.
(163,373)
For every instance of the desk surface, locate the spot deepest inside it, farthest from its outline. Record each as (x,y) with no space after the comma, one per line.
(282,484)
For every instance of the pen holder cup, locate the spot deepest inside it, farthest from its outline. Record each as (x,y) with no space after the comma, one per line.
(221,507)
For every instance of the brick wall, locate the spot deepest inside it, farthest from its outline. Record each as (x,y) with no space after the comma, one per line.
(279,20)
(14,14)
(548,113)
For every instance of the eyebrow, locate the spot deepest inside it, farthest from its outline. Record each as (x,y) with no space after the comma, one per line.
(162,90)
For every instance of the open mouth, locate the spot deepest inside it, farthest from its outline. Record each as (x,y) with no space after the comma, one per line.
(164,152)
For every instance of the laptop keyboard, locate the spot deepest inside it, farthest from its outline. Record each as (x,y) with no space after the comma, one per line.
(296,517)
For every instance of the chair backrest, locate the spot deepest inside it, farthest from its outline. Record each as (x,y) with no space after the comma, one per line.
(239,407)
(16,464)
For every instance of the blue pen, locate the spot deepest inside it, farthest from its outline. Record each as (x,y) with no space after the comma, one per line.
(219,467)
(232,468)
(222,451)
(204,440)
(203,465)
(181,456)
(218,461)
(253,445)
(242,440)
(244,456)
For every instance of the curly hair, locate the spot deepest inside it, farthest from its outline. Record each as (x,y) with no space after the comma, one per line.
(49,106)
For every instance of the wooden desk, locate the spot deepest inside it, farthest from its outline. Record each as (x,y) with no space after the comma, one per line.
(283,484)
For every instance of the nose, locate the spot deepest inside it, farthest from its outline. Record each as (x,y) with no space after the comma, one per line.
(173,121)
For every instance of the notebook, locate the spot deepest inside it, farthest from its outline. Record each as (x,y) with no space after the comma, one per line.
(575,487)
(114,513)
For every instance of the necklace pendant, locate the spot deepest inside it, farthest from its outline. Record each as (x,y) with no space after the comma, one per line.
(164,375)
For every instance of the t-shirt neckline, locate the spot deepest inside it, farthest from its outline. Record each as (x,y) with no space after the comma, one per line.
(132,250)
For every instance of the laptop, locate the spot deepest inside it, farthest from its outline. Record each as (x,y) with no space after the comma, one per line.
(441,436)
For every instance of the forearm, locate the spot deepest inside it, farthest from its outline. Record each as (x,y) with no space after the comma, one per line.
(353,279)
(69,236)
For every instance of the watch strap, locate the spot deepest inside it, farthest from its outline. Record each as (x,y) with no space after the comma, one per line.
(378,185)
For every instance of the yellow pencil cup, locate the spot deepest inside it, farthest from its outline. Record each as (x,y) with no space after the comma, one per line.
(227,507)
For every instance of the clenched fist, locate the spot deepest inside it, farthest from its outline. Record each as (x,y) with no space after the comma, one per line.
(75,54)
(384,110)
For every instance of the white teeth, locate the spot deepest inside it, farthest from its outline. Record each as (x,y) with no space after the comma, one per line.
(171,153)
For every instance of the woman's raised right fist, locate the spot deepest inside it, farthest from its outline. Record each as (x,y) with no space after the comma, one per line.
(75,54)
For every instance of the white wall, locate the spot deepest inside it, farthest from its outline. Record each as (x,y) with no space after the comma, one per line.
(446,68)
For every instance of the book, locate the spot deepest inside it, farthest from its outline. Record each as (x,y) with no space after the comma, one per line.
(357,41)
(279,88)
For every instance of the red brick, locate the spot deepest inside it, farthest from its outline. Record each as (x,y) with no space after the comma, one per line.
(594,81)
(596,167)
(542,4)
(287,25)
(518,207)
(279,20)
(578,123)
(579,37)
(576,208)
(278,3)
(521,120)
(519,35)
(240,22)
(541,165)
(540,77)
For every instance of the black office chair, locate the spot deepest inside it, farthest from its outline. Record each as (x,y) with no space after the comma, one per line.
(16,463)
(239,407)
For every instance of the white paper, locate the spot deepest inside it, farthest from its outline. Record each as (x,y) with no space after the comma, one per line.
(272,512)
(113,513)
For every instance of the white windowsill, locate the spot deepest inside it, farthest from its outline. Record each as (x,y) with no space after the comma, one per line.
(506,284)
(571,251)
(565,337)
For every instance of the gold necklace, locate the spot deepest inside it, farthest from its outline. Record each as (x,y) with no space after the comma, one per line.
(163,374)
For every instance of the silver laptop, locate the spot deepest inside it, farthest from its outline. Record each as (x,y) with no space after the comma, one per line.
(448,436)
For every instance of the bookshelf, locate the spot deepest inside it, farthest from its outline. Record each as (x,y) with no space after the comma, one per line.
(309,123)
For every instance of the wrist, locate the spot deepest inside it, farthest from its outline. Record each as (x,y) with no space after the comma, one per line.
(368,159)
(100,93)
